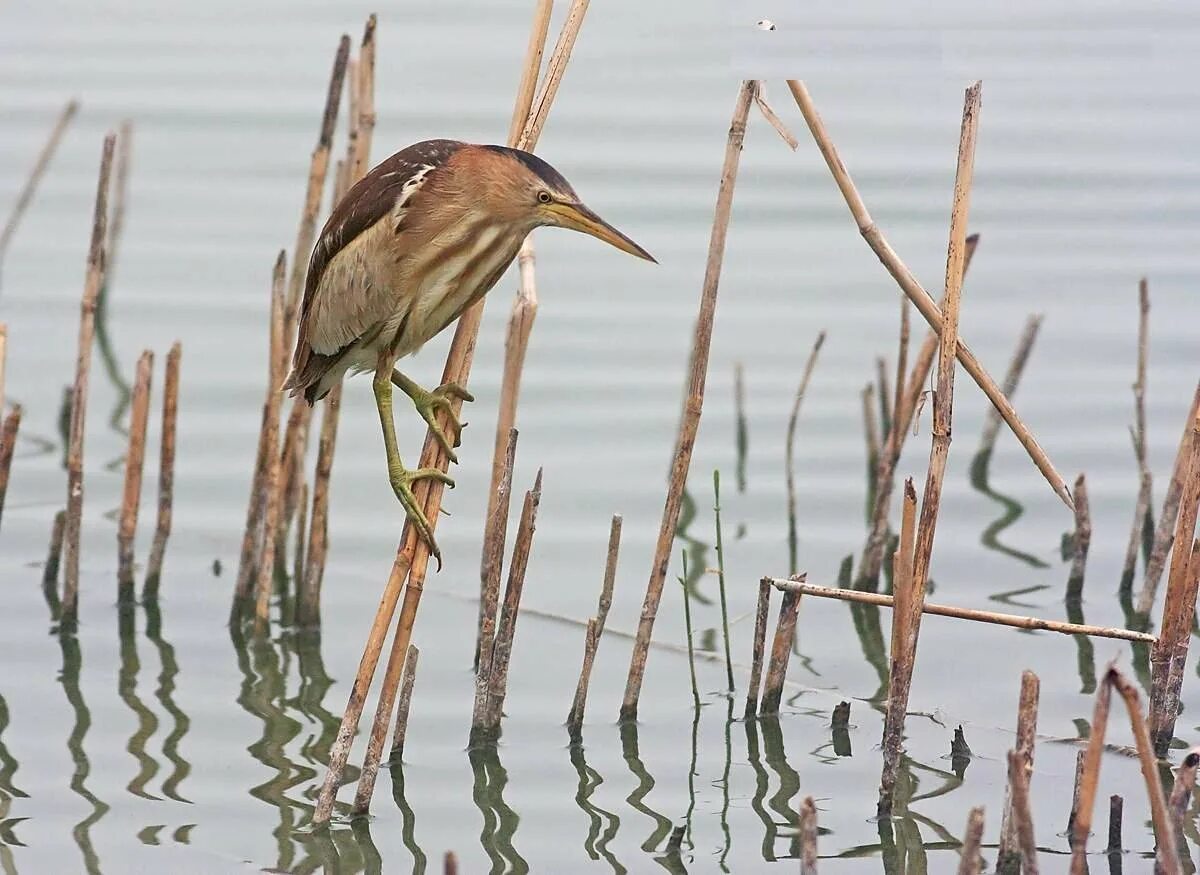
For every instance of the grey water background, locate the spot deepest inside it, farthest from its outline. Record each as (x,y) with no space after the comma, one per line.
(171,748)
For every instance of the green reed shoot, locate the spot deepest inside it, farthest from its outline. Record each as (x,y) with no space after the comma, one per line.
(721,576)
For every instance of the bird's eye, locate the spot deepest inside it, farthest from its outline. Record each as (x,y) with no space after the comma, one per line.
(544,197)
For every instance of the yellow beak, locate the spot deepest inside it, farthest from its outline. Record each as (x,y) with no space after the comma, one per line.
(577,217)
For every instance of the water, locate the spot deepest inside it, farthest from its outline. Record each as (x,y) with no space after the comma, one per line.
(165,744)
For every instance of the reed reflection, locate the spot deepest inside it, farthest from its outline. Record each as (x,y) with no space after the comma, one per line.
(164,692)
(499,820)
(408,820)
(1011,511)
(645,783)
(147,722)
(72,665)
(602,824)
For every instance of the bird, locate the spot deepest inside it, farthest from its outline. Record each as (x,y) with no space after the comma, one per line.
(415,242)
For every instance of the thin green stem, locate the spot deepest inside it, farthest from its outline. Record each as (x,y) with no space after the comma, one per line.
(721,576)
(687,618)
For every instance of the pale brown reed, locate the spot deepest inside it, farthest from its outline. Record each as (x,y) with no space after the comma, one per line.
(412,555)
(135,458)
(1167,855)
(92,284)
(595,628)
(492,566)
(760,642)
(781,651)
(404,705)
(1022,814)
(1013,620)
(1012,379)
(1082,540)
(768,113)
(1164,532)
(450,864)
(789,456)
(917,294)
(272,485)
(8,444)
(808,837)
(1169,654)
(1138,433)
(970,862)
(36,174)
(166,474)
(689,422)
(1009,850)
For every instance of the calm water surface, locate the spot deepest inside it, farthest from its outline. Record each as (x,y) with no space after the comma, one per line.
(161,743)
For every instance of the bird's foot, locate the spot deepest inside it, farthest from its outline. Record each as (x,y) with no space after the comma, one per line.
(430,402)
(402,482)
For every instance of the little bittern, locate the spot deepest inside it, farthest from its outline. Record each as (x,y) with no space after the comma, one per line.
(414,243)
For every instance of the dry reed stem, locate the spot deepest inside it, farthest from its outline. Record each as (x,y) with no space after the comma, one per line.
(760,642)
(272,484)
(531,69)
(1164,531)
(1116,813)
(539,108)
(1014,620)
(135,458)
(808,837)
(450,864)
(344,169)
(166,474)
(1167,855)
(917,294)
(365,88)
(595,628)
(760,98)
(492,565)
(1082,538)
(1169,654)
(1079,759)
(908,602)
(3,359)
(789,455)
(54,553)
(1018,794)
(507,628)
(969,859)
(404,705)
(35,175)
(308,612)
(1012,379)
(693,407)
(8,443)
(1027,708)
(1145,478)
(781,651)
(412,555)
(93,282)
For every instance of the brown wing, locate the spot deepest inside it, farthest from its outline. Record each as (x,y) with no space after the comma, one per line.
(381,193)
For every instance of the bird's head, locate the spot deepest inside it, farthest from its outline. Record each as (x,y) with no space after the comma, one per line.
(529,190)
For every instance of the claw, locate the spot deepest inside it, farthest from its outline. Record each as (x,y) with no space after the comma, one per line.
(402,480)
(430,403)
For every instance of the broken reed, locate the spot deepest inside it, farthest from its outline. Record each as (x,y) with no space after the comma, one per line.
(789,452)
(405,703)
(412,555)
(595,629)
(35,176)
(1082,539)
(166,474)
(93,281)
(135,459)
(693,407)
(1008,853)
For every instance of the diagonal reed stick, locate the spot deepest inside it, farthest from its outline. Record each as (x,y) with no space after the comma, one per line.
(690,421)
(917,294)
(412,556)
(35,175)
(166,475)
(595,629)
(8,443)
(93,281)
(135,459)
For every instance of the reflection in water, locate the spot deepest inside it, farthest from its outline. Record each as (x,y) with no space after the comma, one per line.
(499,820)
(408,820)
(164,692)
(1012,511)
(788,823)
(1086,658)
(147,723)
(8,763)
(602,824)
(695,549)
(72,664)
(636,799)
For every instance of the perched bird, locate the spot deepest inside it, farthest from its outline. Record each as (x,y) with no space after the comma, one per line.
(416,241)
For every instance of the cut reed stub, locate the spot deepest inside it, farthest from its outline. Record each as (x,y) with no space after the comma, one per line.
(970,862)
(35,175)
(595,628)
(760,643)
(1022,814)
(135,459)
(1082,540)
(1008,856)
(808,837)
(1185,786)
(54,552)
(781,651)
(8,445)
(405,704)
(166,475)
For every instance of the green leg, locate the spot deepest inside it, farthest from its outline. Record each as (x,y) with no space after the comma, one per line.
(400,477)
(428,403)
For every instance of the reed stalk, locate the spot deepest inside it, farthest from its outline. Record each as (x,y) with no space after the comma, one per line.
(1022,815)
(412,555)
(760,641)
(309,607)
(1145,478)
(687,623)
(908,603)
(1012,379)
(1079,762)
(36,174)
(272,482)
(54,552)
(689,422)
(595,628)
(917,294)
(93,282)
(404,705)
(781,651)
(166,475)
(742,439)
(493,561)
(1164,531)
(721,578)
(1014,620)
(301,548)
(808,837)
(135,459)
(8,444)
(969,862)
(789,451)
(1082,540)
(1008,855)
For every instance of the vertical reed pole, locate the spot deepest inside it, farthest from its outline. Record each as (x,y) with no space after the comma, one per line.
(8,443)
(969,860)
(405,703)
(594,630)
(35,176)
(1022,816)
(760,642)
(781,651)
(808,837)
(83,363)
(308,612)
(166,474)
(907,605)
(1083,539)
(493,561)
(694,406)
(1145,478)
(1008,854)
(135,459)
